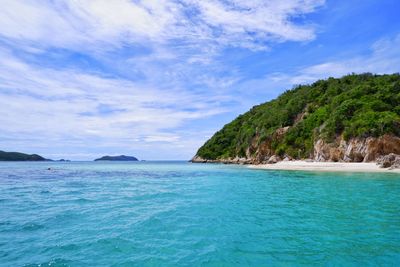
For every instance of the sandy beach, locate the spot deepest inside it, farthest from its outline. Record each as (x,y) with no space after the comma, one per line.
(324,166)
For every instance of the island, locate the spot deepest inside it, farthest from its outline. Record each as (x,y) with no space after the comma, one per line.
(17,156)
(117,158)
(353,119)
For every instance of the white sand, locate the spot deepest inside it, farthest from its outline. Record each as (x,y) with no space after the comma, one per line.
(324,166)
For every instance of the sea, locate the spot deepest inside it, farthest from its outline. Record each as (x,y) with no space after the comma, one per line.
(183,214)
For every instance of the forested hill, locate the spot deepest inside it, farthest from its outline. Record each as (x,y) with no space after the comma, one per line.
(330,112)
(17,156)
(117,158)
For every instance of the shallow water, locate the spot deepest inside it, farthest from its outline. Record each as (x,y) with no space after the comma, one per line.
(181,214)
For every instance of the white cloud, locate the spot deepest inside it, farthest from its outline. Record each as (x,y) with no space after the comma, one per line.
(162,138)
(384,57)
(73,23)
(254,21)
(74,108)
(106,24)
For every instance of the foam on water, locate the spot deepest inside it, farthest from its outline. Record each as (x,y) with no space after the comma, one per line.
(175,213)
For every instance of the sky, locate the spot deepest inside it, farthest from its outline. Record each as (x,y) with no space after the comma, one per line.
(155,79)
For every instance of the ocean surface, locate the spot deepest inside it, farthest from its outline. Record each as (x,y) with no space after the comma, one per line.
(182,214)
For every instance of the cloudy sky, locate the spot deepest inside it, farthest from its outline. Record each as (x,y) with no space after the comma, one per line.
(155,79)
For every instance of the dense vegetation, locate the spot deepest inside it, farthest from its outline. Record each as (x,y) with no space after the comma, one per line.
(16,156)
(353,106)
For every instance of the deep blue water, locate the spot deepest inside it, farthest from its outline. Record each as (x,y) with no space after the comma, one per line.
(181,214)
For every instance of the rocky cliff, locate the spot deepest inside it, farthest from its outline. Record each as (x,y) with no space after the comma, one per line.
(354,150)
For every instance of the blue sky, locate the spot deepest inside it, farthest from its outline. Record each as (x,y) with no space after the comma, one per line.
(155,79)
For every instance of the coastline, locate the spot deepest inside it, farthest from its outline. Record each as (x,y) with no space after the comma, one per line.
(299,165)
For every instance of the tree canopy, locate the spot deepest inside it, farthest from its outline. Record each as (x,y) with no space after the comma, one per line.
(356,105)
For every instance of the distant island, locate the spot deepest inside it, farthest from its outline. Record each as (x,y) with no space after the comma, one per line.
(117,158)
(355,118)
(17,156)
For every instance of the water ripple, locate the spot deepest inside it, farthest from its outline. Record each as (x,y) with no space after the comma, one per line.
(174,214)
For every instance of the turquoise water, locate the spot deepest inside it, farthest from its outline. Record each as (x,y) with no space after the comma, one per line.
(181,214)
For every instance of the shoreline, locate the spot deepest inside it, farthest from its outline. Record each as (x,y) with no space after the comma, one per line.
(299,165)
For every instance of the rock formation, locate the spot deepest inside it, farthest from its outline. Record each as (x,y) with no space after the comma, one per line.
(391,161)
(356,149)
(369,149)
